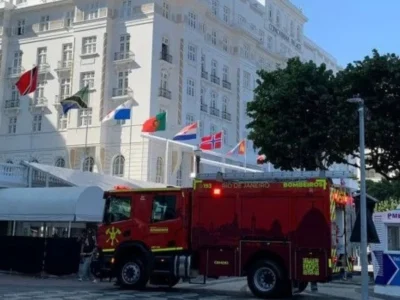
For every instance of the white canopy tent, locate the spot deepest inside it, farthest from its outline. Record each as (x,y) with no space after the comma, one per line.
(58,204)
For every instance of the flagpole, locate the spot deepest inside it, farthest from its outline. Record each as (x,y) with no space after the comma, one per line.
(86,134)
(166,154)
(130,145)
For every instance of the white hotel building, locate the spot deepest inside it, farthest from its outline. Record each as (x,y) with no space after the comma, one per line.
(195,59)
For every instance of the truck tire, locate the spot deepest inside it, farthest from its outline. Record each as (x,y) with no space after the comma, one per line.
(132,274)
(266,279)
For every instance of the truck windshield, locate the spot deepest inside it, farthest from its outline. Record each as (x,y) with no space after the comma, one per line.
(117,209)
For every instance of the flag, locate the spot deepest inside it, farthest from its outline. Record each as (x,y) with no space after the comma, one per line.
(156,123)
(261,159)
(187,133)
(27,83)
(239,149)
(122,112)
(212,141)
(77,101)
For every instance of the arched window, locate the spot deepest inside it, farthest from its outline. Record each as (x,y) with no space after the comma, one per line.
(179,176)
(159,170)
(9,161)
(60,162)
(118,166)
(88,164)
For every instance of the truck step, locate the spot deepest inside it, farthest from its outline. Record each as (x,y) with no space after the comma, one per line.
(161,272)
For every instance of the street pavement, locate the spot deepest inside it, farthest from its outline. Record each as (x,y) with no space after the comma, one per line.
(13,287)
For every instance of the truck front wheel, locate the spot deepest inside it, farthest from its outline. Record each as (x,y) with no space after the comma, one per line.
(132,274)
(266,279)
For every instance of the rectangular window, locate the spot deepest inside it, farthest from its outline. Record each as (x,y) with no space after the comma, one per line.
(65,88)
(201,124)
(85,117)
(12,125)
(67,55)
(37,123)
(117,209)
(89,45)
(192,20)
(225,44)
(164,208)
(191,87)
(42,56)
(227,13)
(123,81)
(39,94)
(214,37)
(124,45)
(17,61)
(165,10)
(246,80)
(189,119)
(62,121)
(214,67)
(393,237)
(20,30)
(44,23)
(225,136)
(126,8)
(69,18)
(92,11)
(192,52)
(87,78)
(225,73)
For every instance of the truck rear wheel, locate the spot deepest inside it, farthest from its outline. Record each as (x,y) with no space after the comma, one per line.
(132,274)
(266,279)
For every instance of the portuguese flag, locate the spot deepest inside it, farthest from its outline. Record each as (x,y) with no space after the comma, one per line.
(156,123)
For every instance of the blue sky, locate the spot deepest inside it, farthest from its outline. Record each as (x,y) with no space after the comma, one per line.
(350,29)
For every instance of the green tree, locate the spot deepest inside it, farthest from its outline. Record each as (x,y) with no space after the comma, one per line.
(377,80)
(297,120)
(300,117)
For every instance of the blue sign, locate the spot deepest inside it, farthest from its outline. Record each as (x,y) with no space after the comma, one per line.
(395,269)
(388,269)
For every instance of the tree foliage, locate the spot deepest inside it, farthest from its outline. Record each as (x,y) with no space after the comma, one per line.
(300,117)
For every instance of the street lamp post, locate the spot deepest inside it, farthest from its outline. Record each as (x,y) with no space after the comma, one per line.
(363,200)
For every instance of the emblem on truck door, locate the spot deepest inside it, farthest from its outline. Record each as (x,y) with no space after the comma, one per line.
(112,235)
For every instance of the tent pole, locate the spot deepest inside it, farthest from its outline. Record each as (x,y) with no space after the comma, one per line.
(69,229)
(47,180)
(30,173)
(14,225)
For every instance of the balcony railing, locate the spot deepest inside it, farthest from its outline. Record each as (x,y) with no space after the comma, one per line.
(166,57)
(226,116)
(43,68)
(215,79)
(214,111)
(59,98)
(13,175)
(15,72)
(39,102)
(204,75)
(103,12)
(226,84)
(162,92)
(124,56)
(122,92)
(13,103)
(204,107)
(49,26)
(64,65)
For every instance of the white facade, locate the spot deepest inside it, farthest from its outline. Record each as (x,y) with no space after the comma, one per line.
(195,59)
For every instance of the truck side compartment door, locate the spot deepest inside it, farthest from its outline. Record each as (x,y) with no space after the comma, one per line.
(168,229)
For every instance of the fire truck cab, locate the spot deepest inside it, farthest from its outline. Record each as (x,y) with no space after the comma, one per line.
(276,230)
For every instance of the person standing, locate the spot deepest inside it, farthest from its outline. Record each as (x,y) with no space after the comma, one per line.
(87,250)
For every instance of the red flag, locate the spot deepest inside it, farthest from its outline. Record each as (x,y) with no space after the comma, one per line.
(212,141)
(261,159)
(27,83)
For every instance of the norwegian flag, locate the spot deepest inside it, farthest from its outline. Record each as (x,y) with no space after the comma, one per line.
(27,83)
(211,142)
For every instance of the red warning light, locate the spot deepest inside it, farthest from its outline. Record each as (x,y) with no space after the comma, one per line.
(217,192)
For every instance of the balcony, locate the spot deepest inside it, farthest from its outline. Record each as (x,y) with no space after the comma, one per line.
(13,175)
(214,111)
(204,75)
(58,99)
(64,68)
(38,104)
(215,79)
(226,116)
(50,26)
(162,92)
(226,85)
(122,94)
(166,57)
(11,106)
(124,60)
(15,72)
(93,16)
(204,107)
(43,68)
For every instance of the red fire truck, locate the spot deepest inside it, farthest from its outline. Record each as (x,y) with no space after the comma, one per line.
(274,228)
